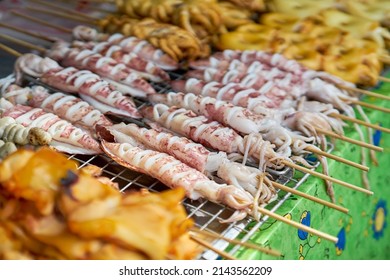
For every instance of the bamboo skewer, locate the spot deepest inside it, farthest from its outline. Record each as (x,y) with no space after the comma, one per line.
(66,10)
(346,118)
(384,79)
(325,177)
(298,225)
(33,19)
(10,50)
(350,140)
(371,106)
(310,197)
(27,32)
(64,15)
(237,242)
(365,92)
(337,158)
(210,247)
(23,43)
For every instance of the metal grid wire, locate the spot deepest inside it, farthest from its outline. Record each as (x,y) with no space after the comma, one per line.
(207,215)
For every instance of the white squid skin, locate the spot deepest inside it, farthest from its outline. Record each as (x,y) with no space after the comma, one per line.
(212,134)
(145,69)
(238,118)
(89,86)
(129,44)
(271,106)
(273,60)
(173,173)
(65,137)
(130,81)
(192,154)
(311,80)
(67,107)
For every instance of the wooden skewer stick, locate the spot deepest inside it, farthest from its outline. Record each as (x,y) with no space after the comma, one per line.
(27,32)
(325,177)
(310,197)
(350,140)
(33,19)
(340,159)
(384,79)
(353,120)
(66,10)
(365,92)
(23,43)
(237,242)
(63,15)
(210,247)
(10,50)
(298,225)
(371,106)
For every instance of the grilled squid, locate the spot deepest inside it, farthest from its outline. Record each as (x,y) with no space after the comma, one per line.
(11,131)
(213,135)
(193,154)
(67,107)
(124,78)
(89,86)
(65,137)
(311,81)
(238,118)
(145,69)
(271,104)
(129,44)
(175,174)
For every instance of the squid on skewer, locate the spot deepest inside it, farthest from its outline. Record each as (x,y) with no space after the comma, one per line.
(273,104)
(175,174)
(89,86)
(130,44)
(124,78)
(194,155)
(145,69)
(67,107)
(264,77)
(65,137)
(213,135)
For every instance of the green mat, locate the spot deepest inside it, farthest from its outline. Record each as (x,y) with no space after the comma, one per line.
(363,233)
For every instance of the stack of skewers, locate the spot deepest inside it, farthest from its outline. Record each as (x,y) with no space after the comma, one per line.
(236,116)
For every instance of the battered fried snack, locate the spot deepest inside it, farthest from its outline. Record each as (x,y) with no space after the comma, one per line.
(299,8)
(377,10)
(202,18)
(252,5)
(233,17)
(49,209)
(176,42)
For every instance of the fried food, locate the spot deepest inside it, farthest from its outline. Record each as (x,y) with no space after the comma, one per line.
(49,209)
(301,8)
(233,17)
(377,10)
(252,5)
(175,41)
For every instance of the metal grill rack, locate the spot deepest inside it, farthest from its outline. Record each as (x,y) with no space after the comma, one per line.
(207,215)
